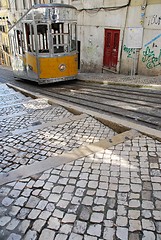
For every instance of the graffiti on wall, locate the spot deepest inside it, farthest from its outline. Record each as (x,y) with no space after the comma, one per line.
(129,51)
(150,58)
(154,20)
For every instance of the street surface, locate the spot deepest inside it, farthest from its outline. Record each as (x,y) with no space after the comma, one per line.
(137,105)
(66,176)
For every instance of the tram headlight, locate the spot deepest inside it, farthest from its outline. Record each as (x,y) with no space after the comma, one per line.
(62,67)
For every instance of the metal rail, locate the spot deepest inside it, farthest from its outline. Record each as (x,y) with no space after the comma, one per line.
(133,104)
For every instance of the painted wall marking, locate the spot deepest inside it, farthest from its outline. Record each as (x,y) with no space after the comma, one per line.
(152,40)
(151,59)
(155,19)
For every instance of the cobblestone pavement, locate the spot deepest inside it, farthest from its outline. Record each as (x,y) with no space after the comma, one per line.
(120,78)
(113,193)
(30,116)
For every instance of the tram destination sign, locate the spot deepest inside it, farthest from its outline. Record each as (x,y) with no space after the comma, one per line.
(63,14)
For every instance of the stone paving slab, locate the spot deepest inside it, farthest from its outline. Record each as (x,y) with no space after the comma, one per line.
(20,106)
(40,144)
(15,97)
(112,78)
(85,150)
(113,193)
(20,112)
(36,117)
(4,89)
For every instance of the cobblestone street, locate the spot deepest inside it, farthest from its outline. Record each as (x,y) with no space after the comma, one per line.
(66,176)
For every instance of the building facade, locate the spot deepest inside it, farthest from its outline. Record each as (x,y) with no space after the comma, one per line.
(123,36)
(4,43)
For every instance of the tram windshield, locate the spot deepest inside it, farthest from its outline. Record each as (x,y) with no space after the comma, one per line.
(47,30)
(51,38)
(63,37)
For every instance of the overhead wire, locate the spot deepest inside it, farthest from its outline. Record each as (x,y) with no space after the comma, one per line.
(96,10)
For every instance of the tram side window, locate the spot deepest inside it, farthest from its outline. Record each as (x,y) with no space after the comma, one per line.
(30,38)
(15,43)
(20,41)
(73,39)
(43,42)
(11,44)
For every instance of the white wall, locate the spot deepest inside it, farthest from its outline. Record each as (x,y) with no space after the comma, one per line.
(91,27)
(97,3)
(92,24)
(150,55)
(134,21)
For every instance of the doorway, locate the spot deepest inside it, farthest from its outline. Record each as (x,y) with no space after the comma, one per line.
(111,48)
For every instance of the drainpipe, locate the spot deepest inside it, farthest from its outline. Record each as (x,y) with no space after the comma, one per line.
(123,35)
(134,68)
(143,14)
(143,9)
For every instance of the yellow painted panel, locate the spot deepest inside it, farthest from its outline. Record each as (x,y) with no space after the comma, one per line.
(49,67)
(31,62)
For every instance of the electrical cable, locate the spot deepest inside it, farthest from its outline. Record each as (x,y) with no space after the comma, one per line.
(95,10)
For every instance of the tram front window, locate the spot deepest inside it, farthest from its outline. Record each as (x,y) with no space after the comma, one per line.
(59,39)
(63,37)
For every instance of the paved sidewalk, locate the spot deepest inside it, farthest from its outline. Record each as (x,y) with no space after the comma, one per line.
(71,177)
(111,78)
(120,79)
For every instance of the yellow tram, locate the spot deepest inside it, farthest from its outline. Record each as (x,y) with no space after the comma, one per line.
(44,44)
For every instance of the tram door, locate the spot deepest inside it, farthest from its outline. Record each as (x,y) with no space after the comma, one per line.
(30,56)
(111,47)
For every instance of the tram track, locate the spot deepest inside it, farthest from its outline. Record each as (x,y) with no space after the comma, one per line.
(137,105)
(142,112)
(115,91)
(123,97)
(110,101)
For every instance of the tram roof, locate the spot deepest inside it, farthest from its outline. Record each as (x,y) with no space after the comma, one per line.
(52,5)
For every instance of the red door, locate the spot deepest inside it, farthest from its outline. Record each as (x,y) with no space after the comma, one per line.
(111,47)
